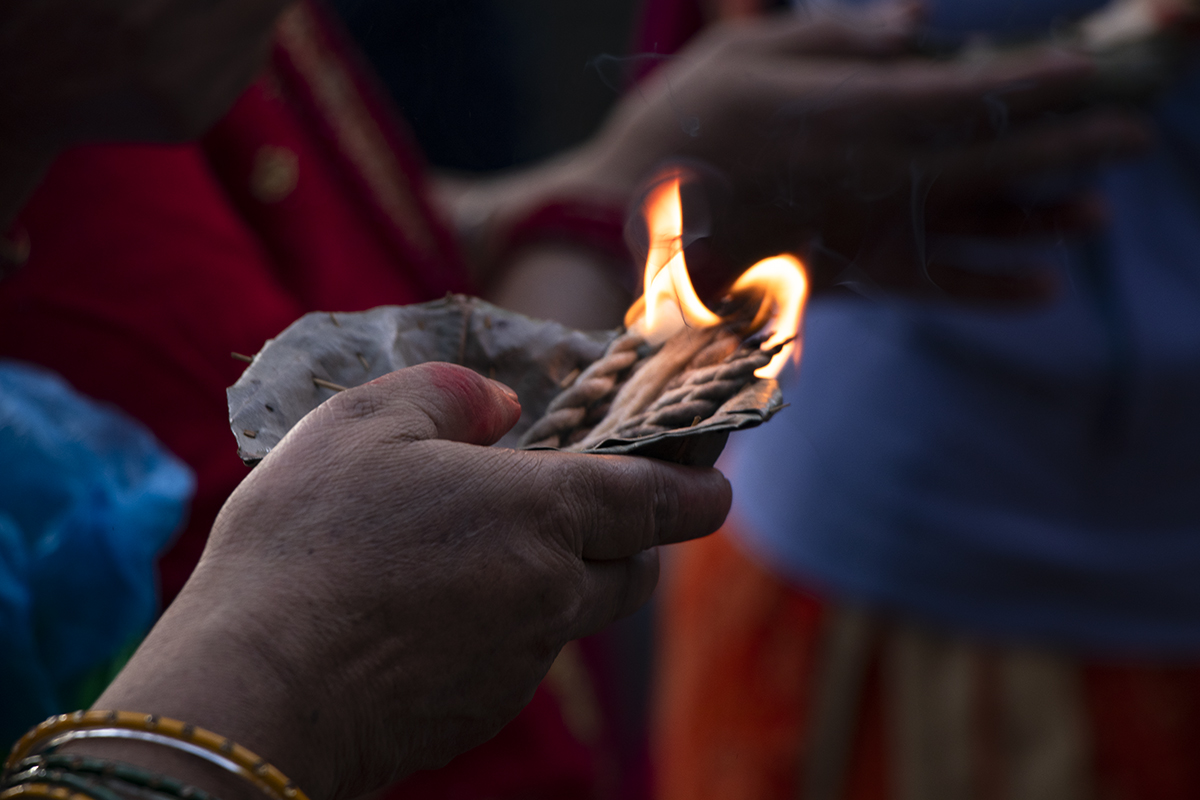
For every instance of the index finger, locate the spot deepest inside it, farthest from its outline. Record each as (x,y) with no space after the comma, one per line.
(923,94)
(622,505)
(879,31)
(1015,85)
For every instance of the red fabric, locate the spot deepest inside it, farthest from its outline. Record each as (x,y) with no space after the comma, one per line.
(596,225)
(140,282)
(151,264)
(138,249)
(323,245)
(600,226)
(1146,732)
(664,26)
(535,757)
(739,647)
(334,245)
(737,653)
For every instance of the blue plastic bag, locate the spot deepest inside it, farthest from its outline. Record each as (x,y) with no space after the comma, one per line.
(88,499)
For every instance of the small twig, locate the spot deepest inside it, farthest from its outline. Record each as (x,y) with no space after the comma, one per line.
(570,378)
(242,357)
(334,320)
(362,360)
(324,384)
(466,329)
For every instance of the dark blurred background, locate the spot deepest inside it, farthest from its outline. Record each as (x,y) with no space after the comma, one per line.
(487,84)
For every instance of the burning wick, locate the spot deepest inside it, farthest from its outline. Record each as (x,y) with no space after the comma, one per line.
(669,302)
(678,362)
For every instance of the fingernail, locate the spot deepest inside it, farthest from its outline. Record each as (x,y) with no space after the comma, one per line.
(506,389)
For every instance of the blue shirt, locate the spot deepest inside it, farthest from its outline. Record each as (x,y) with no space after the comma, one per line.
(1025,474)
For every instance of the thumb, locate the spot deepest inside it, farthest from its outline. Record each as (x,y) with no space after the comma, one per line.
(432,401)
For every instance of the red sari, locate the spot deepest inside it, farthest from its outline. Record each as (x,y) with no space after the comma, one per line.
(150,264)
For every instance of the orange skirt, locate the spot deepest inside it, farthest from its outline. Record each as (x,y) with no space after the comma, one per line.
(765,691)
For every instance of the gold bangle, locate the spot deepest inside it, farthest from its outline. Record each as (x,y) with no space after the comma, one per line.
(44,791)
(173,733)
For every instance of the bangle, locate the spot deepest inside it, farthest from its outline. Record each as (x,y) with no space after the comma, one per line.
(43,790)
(212,747)
(38,773)
(593,224)
(105,769)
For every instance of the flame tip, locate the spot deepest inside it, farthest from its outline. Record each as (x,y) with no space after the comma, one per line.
(669,301)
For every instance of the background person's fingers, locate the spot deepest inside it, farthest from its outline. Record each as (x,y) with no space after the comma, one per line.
(882,31)
(1060,145)
(922,99)
(1017,85)
(431,401)
(970,286)
(1008,218)
(615,589)
(926,95)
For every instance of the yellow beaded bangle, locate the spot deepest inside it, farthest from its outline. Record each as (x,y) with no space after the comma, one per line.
(168,732)
(44,791)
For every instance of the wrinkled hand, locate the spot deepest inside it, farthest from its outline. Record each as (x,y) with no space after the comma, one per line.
(838,141)
(78,70)
(385,591)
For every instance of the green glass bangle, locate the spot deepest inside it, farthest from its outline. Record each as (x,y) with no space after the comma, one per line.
(230,756)
(41,791)
(56,777)
(118,771)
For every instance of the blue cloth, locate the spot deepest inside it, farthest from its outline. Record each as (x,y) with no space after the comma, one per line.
(88,498)
(1031,475)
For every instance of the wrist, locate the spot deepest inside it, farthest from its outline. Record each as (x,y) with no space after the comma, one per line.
(571,198)
(211,661)
(154,759)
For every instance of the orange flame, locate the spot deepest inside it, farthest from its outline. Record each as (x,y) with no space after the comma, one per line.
(669,302)
(781,282)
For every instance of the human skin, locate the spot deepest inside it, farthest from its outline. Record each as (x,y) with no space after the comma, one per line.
(824,127)
(829,130)
(385,590)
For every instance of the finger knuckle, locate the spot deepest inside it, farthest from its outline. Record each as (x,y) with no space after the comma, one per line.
(359,403)
(557,590)
(665,506)
(573,505)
